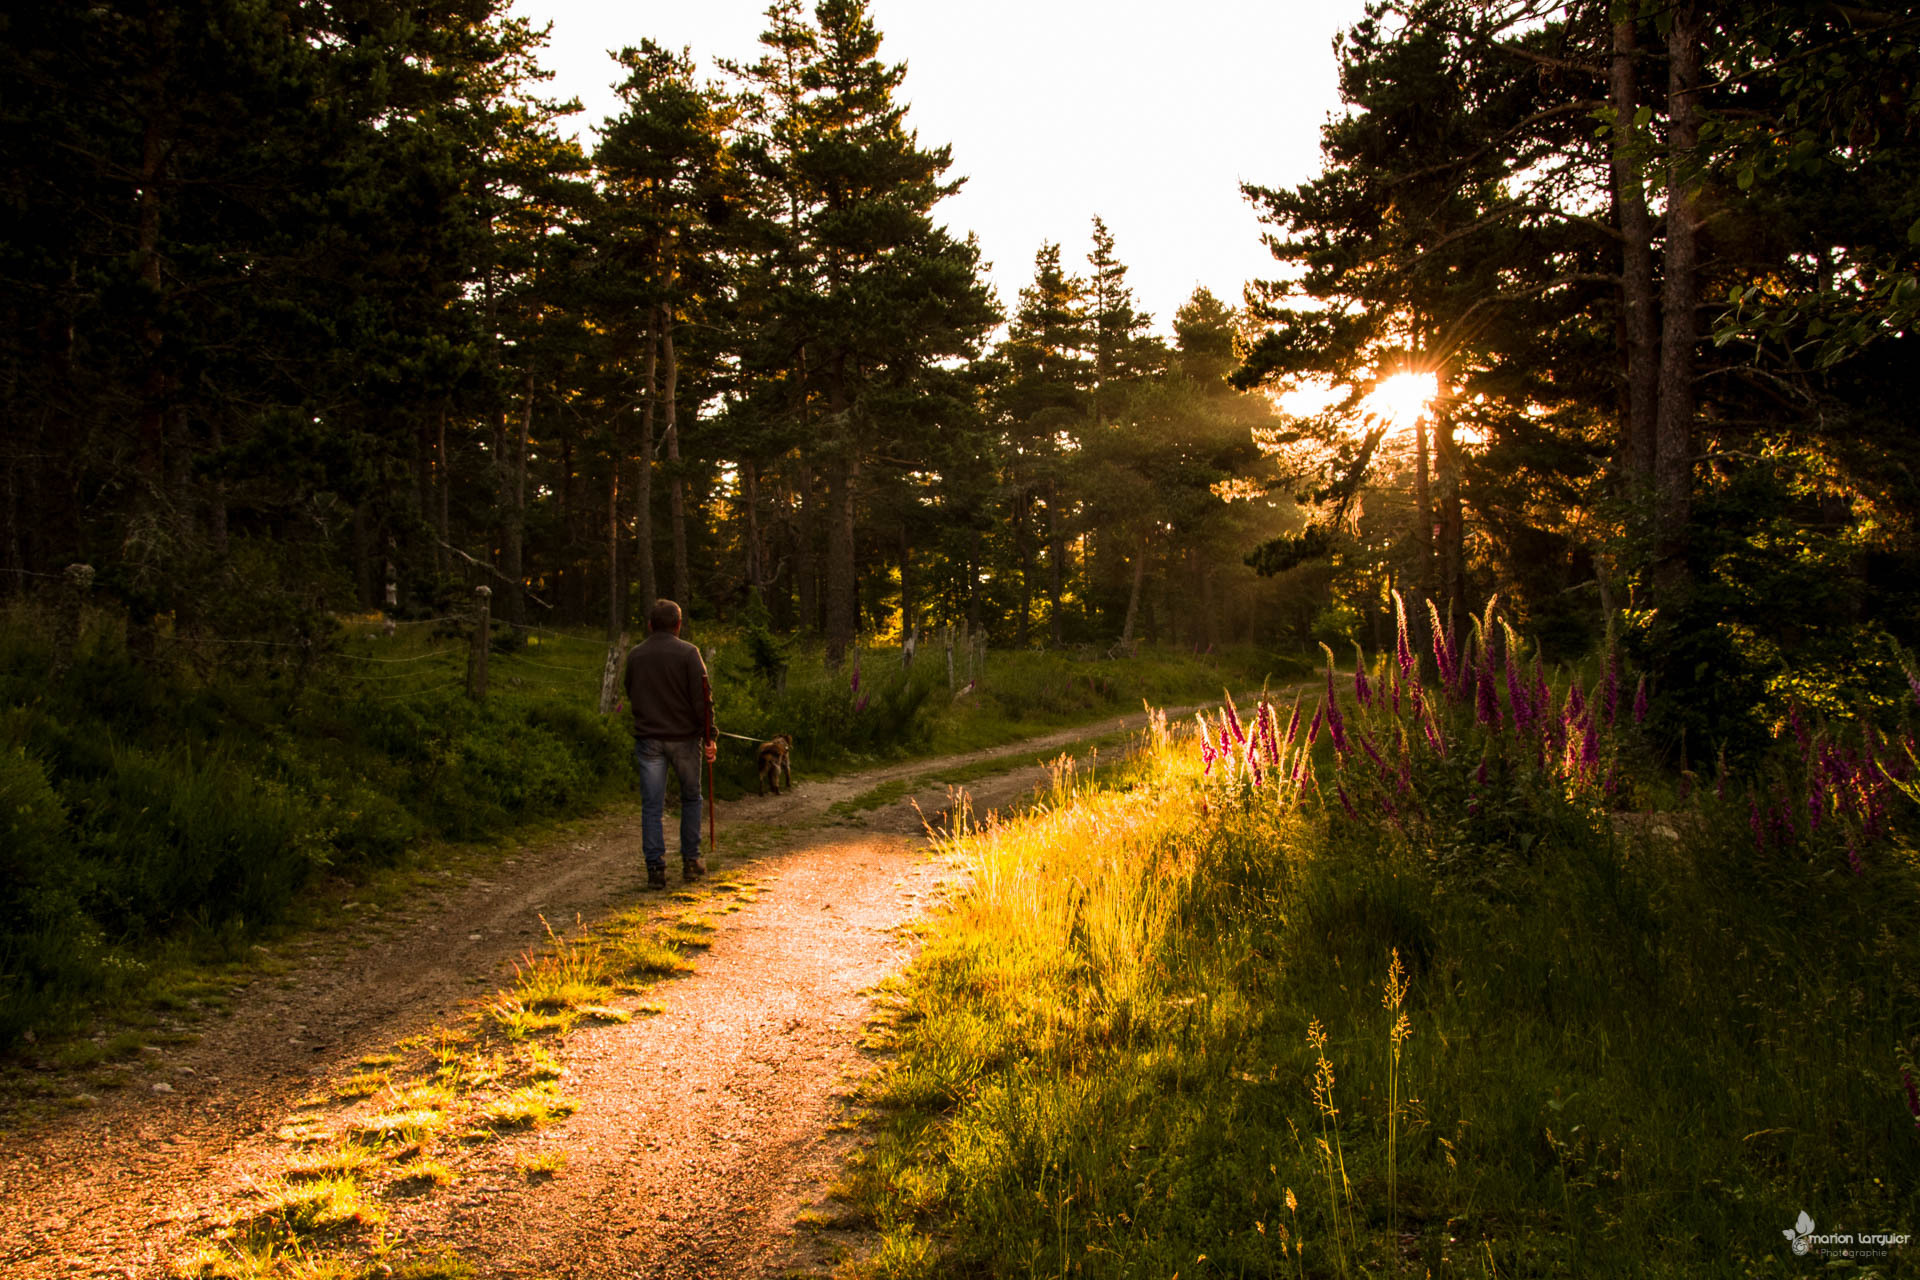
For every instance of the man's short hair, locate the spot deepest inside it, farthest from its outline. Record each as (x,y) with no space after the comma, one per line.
(664,616)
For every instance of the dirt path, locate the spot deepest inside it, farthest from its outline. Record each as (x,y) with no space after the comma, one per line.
(702,1134)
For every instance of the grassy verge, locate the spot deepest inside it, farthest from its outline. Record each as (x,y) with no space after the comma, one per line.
(1202,1029)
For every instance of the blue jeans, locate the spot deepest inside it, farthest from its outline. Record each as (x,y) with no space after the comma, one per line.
(652,756)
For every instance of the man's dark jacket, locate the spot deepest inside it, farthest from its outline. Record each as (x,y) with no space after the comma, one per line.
(667,688)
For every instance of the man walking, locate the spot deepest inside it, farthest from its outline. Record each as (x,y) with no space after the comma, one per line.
(672,703)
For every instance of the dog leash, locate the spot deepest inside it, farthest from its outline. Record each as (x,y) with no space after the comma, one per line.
(741,736)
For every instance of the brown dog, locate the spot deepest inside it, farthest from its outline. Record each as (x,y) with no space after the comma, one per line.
(776,763)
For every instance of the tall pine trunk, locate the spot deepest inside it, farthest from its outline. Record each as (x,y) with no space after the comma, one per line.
(442,495)
(906,585)
(1451,517)
(1639,334)
(1057,562)
(1680,295)
(514,552)
(1023,549)
(750,507)
(842,605)
(677,484)
(1133,595)
(806,556)
(1423,519)
(647,583)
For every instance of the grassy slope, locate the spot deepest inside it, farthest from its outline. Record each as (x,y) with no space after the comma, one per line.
(1643,1054)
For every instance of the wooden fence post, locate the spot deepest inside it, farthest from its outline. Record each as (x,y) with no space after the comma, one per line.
(73,599)
(482,642)
(949,631)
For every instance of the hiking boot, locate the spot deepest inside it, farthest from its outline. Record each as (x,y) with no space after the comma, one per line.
(656,877)
(692,869)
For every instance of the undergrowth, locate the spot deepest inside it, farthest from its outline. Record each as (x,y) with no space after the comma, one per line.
(1213,1023)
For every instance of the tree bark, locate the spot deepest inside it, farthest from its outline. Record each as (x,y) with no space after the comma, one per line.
(750,508)
(1057,563)
(1680,295)
(805,556)
(1452,518)
(442,495)
(648,584)
(973,580)
(677,484)
(1423,521)
(842,606)
(1638,331)
(676,494)
(1133,595)
(906,585)
(1023,552)
(616,604)
(515,553)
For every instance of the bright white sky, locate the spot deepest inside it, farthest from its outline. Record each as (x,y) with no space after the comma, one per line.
(1146,112)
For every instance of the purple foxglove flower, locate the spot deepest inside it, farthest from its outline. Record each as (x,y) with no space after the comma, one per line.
(1815,803)
(1233,722)
(1590,749)
(1576,705)
(1434,739)
(1313,729)
(1517,695)
(1403,647)
(1756,824)
(1853,859)
(1346,803)
(1366,744)
(1480,774)
(1913,683)
(1798,725)
(860,704)
(1254,774)
(1362,691)
(1610,688)
(1487,699)
(1293,723)
(1336,723)
(1542,693)
(1443,650)
(1640,701)
(1913,1095)
(1406,772)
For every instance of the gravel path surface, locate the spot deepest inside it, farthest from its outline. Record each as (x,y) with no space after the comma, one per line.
(703,1132)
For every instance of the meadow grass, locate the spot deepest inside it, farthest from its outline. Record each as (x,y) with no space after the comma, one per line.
(1169,1029)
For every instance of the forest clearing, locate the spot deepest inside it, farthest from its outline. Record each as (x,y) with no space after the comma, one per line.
(1374,739)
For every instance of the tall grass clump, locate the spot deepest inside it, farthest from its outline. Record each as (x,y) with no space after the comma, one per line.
(1412,978)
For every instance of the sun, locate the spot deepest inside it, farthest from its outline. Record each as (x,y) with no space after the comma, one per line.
(1399,400)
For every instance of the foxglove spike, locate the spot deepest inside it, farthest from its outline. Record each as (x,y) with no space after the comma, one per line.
(1403,647)
(1640,701)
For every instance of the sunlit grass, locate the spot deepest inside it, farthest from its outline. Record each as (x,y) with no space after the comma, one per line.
(1149,1028)
(531,1107)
